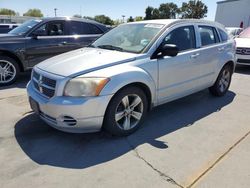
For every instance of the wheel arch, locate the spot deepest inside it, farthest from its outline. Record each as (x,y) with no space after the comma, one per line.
(231,64)
(13,56)
(141,86)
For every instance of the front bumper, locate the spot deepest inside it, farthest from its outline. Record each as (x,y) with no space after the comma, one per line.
(75,115)
(243,59)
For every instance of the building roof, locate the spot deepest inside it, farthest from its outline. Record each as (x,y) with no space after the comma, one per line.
(226,1)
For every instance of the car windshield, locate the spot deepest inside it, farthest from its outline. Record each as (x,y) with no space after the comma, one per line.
(245,33)
(132,38)
(25,27)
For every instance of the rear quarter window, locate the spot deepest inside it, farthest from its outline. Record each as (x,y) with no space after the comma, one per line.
(94,29)
(223,35)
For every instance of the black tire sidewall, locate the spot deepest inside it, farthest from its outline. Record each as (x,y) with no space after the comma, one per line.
(215,88)
(109,119)
(14,63)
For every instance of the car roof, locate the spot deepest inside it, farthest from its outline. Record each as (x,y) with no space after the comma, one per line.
(170,22)
(70,18)
(233,28)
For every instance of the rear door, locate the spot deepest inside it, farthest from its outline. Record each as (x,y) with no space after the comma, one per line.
(51,40)
(82,34)
(209,54)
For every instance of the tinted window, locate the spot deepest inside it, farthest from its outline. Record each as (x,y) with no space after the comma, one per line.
(182,37)
(94,29)
(50,29)
(81,28)
(86,29)
(208,35)
(76,28)
(223,35)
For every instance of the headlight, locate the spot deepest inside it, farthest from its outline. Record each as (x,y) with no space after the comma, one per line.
(85,87)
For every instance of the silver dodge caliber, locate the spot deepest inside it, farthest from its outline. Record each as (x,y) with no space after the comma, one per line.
(113,83)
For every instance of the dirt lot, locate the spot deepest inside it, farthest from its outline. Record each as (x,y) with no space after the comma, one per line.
(198,141)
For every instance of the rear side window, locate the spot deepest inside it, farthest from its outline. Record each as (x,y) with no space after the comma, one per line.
(182,37)
(208,35)
(76,28)
(94,29)
(223,35)
(81,28)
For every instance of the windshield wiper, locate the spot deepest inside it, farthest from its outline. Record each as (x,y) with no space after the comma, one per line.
(111,47)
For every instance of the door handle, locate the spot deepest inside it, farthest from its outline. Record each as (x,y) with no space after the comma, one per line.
(221,49)
(63,43)
(193,56)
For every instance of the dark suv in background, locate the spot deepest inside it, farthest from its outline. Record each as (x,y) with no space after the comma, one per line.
(5,28)
(37,40)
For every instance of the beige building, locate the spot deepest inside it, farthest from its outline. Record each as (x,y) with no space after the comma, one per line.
(14,19)
(233,13)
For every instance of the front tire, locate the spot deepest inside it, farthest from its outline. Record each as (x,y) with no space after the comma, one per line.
(223,82)
(126,111)
(9,71)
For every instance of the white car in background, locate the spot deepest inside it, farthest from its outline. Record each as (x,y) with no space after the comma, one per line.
(234,31)
(243,47)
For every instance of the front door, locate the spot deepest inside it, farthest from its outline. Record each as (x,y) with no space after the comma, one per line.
(178,76)
(45,42)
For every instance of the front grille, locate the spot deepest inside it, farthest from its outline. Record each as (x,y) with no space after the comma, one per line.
(246,61)
(243,51)
(44,85)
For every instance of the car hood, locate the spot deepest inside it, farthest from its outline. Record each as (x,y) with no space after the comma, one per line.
(242,42)
(84,60)
(9,37)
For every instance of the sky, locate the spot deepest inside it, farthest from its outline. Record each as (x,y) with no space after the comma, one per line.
(112,8)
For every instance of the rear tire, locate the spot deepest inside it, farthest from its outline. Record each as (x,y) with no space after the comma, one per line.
(9,71)
(126,111)
(223,82)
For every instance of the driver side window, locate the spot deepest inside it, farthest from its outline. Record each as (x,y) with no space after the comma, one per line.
(50,29)
(182,37)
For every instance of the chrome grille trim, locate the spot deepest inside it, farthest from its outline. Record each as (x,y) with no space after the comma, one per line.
(44,85)
(243,51)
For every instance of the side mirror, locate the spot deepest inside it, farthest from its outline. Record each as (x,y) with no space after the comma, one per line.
(166,50)
(34,36)
(37,33)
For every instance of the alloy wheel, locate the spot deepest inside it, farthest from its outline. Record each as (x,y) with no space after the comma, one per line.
(225,80)
(129,112)
(7,71)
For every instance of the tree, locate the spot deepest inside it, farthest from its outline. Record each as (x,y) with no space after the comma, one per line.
(138,18)
(149,13)
(104,19)
(88,18)
(156,14)
(5,11)
(34,13)
(130,19)
(194,9)
(77,16)
(168,10)
(118,22)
